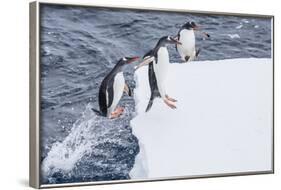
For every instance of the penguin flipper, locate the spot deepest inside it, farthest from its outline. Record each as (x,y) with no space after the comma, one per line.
(130,91)
(176,45)
(153,86)
(97,112)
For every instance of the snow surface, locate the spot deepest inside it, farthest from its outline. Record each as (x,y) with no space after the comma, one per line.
(222,124)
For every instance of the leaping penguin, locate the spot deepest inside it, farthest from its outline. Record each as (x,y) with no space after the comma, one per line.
(186,36)
(112,88)
(158,60)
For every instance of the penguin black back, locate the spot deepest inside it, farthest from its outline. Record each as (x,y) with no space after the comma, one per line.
(106,92)
(112,87)
(106,87)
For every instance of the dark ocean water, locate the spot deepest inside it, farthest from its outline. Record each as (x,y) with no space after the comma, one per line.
(79,46)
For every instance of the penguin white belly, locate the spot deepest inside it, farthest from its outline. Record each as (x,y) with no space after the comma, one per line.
(187,48)
(161,69)
(118,89)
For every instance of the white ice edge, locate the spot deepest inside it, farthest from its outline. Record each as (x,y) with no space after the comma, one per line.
(222,124)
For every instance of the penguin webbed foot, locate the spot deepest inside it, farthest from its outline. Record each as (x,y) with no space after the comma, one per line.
(169,102)
(118,111)
(170,99)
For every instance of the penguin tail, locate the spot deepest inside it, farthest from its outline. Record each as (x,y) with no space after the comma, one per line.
(97,112)
(197,52)
(149,105)
(155,94)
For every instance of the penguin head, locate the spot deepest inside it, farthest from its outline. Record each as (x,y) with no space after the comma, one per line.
(190,26)
(127,60)
(168,40)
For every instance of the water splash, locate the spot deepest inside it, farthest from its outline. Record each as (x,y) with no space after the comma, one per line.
(96,148)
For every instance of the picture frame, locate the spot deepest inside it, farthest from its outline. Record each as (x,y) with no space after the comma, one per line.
(37,92)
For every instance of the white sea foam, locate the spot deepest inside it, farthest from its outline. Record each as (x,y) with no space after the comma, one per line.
(222,124)
(239,26)
(232,36)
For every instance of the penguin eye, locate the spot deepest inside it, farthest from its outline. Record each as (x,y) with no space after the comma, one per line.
(124,59)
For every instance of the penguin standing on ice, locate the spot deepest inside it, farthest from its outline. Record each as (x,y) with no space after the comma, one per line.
(186,36)
(158,60)
(112,88)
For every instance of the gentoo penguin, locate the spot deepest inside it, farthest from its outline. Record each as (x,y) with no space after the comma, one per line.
(186,36)
(157,70)
(112,88)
